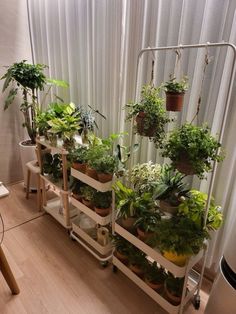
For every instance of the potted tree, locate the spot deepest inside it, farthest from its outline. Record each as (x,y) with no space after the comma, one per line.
(150,114)
(122,248)
(78,158)
(87,193)
(192,149)
(180,238)
(105,167)
(137,261)
(102,203)
(175,93)
(155,276)
(174,289)
(147,225)
(170,189)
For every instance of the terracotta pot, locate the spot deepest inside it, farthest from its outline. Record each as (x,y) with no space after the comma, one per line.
(173,299)
(105,177)
(174,101)
(166,207)
(79,166)
(87,203)
(136,269)
(102,211)
(91,173)
(177,259)
(140,120)
(142,235)
(128,223)
(123,258)
(155,286)
(78,197)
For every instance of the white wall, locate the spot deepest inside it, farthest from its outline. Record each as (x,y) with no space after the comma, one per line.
(14,47)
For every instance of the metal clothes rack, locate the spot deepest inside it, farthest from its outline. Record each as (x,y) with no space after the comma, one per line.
(185,271)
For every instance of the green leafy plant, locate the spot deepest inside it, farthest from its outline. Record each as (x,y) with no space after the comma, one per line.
(144,176)
(155,274)
(121,245)
(102,199)
(148,221)
(76,186)
(137,257)
(88,121)
(194,144)
(181,235)
(106,164)
(170,186)
(153,113)
(194,208)
(178,87)
(78,154)
(28,79)
(52,165)
(87,192)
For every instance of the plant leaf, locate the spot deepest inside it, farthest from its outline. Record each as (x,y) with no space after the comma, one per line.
(10,97)
(59,83)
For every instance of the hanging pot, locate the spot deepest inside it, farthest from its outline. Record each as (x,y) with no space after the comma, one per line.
(140,120)
(174,101)
(184,165)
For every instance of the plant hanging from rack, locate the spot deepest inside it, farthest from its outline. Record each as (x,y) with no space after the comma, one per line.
(192,149)
(175,91)
(150,114)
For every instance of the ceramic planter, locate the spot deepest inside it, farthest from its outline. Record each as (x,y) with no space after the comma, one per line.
(102,211)
(105,177)
(140,120)
(91,173)
(174,101)
(177,259)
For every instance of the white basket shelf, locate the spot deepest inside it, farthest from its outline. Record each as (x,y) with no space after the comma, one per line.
(156,255)
(92,214)
(102,187)
(103,250)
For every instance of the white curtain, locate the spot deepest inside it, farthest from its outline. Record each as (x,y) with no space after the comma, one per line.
(94,45)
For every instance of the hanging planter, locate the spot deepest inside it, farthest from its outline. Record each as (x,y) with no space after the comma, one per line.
(175,93)
(142,128)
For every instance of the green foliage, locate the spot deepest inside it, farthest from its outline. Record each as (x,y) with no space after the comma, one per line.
(107,164)
(76,185)
(88,121)
(52,165)
(102,199)
(144,177)
(137,257)
(175,285)
(172,86)
(121,245)
(87,192)
(181,235)
(148,221)
(155,114)
(194,143)
(170,186)
(194,208)
(28,79)
(129,203)
(78,154)
(155,274)
(95,153)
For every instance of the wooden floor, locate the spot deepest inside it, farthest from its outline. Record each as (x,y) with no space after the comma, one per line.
(56,275)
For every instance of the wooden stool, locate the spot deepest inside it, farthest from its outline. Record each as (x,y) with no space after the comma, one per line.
(32,166)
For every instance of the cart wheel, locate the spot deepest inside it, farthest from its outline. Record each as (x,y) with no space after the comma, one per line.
(114,269)
(104,264)
(196,302)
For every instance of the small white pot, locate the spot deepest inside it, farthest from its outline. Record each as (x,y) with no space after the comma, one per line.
(28,154)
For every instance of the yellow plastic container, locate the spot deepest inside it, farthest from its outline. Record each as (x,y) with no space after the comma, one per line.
(179,260)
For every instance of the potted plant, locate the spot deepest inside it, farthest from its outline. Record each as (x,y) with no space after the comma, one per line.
(102,203)
(122,248)
(192,149)
(147,225)
(175,91)
(144,177)
(129,204)
(52,165)
(75,187)
(170,189)
(150,114)
(94,153)
(174,289)
(194,208)
(105,167)
(180,238)
(78,158)
(155,276)
(137,261)
(87,195)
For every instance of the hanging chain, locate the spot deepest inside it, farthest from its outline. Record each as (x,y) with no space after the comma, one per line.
(207,61)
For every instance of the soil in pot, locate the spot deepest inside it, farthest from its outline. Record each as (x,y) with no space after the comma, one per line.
(174,101)
(167,207)
(102,211)
(177,259)
(140,120)
(105,177)
(91,173)
(79,166)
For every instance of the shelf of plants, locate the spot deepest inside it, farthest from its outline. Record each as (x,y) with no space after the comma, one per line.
(100,248)
(161,227)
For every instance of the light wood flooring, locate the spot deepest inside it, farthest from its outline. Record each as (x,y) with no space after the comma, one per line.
(58,276)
